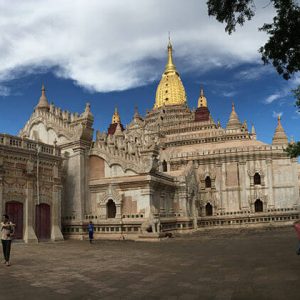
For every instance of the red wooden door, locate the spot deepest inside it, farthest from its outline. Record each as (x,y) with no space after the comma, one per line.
(14,210)
(42,221)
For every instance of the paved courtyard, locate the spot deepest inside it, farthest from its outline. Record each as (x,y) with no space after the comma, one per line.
(219,264)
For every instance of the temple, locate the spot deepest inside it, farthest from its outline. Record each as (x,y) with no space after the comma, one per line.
(173,170)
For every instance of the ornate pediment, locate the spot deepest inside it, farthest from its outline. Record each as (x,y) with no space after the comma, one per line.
(110,193)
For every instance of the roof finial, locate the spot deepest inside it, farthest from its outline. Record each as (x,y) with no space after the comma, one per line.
(232,106)
(43,102)
(116,117)
(201,92)
(202,101)
(170,67)
(279,135)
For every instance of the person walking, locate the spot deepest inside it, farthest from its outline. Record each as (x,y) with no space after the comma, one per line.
(91,231)
(7,230)
(297,228)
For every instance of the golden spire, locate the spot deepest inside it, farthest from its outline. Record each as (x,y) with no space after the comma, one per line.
(202,101)
(170,90)
(43,102)
(116,117)
(170,67)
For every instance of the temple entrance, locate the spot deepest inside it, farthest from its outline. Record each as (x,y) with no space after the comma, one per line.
(42,221)
(258,206)
(14,210)
(111,209)
(208,209)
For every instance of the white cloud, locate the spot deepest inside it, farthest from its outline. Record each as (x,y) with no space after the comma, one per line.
(277,114)
(229,94)
(107,45)
(4,91)
(273,97)
(285,91)
(254,73)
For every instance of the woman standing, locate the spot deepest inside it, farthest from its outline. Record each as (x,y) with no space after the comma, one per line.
(7,231)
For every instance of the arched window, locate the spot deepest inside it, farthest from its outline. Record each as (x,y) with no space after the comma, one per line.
(258,206)
(257,179)
(111,209)
(207,182)
(208,209)
(165,166)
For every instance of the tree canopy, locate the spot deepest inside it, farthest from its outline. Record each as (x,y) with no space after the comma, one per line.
(283,46)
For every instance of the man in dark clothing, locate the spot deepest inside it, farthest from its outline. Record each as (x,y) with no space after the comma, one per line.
(91,231)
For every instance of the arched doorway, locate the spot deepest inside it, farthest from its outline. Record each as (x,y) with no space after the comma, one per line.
(208,209)
(258,206)
(111,209)
(42,221)
(14,210)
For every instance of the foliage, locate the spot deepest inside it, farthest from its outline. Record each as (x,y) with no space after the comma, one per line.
(231,12)
(297,96)
(283,47)
(293,149)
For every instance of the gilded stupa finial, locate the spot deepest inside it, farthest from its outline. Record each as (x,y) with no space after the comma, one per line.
(170,67)
(232,106)
(116,117)
(202,101)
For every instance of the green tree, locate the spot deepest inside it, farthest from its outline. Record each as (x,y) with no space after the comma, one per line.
(293,149)
(283,46)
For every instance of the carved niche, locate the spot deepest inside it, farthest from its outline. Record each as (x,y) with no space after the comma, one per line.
(110,194)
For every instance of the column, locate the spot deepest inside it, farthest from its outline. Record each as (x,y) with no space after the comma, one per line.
(75,186)
(244,205)
(56,234)
(29,233)
(271,200)
(118,211)
(223,187)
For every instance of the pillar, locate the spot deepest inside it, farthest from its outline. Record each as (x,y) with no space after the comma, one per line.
(56,234)
(244,204)
(271,202)
(29,233)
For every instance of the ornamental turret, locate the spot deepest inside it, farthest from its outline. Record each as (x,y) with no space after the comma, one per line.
(233,122)
(279,137)
(202,112)
(43,102)
(115,121)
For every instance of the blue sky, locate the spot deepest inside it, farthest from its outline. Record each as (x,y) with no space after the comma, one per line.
(112,54)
